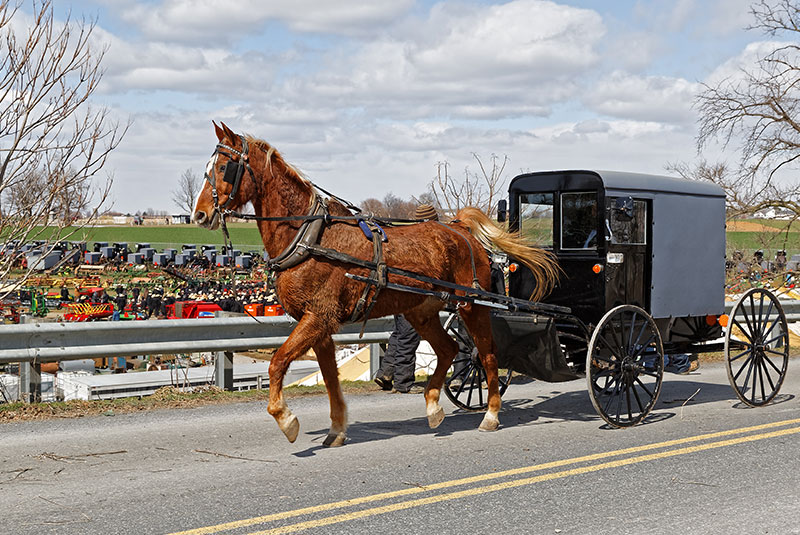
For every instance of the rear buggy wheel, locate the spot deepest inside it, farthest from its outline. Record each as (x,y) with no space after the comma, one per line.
(466,387)
(757,347)
(625,366)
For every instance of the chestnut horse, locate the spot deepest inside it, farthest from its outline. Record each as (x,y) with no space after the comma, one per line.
(316,291)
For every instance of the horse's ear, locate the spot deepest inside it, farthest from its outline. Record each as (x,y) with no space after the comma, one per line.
(219,131)
(228,132)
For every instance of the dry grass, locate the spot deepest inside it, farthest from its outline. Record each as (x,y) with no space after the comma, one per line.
(164,398)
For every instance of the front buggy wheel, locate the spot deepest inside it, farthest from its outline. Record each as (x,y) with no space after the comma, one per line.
(757,347)
(625,366)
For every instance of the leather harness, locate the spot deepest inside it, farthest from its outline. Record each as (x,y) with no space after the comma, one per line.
(306,241)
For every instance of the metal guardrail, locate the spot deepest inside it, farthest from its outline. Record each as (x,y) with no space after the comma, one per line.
(49,342)
(32,344)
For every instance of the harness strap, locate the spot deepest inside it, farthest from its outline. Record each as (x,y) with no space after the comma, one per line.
(379,274)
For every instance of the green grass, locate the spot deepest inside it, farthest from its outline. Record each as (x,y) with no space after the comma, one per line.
(768,242)
(244,236)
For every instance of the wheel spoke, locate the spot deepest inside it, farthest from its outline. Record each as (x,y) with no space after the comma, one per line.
(481,374)
(759,366)
(628,401)
(745,352)
(768,360)
(766,372)
(747,333)
(638,401)
(744,365)
(645,388)
(771,340)
(612,394)
(645,345)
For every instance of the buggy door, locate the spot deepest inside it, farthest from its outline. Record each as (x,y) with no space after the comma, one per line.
(627,270)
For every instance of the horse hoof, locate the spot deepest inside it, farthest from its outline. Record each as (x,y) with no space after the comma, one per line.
(334,440)
(436,418)
(291,428)
(489,424)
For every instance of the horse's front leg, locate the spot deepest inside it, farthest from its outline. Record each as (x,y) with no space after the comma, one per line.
(308,332)
(326,357)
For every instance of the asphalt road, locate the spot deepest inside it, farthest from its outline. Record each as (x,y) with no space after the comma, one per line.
(706,465)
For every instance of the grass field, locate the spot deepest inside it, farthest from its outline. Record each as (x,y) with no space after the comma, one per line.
(245,236)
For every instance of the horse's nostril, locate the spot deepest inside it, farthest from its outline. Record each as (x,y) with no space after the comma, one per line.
(199,217)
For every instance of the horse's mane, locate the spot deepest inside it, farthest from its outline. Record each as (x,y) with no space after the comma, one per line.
(272,152)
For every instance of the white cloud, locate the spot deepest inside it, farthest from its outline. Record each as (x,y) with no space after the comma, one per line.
(224,22)
(470,61)
(644,98)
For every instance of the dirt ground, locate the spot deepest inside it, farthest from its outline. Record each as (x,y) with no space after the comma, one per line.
(749,226)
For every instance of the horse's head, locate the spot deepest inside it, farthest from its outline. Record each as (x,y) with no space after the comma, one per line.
(225,186)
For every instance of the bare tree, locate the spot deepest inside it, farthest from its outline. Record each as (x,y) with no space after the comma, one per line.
(189,186)
(476,189)
(758,113)
(53,143)
(374,206)
(394,206)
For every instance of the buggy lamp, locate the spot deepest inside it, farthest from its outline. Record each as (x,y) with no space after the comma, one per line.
(597,268)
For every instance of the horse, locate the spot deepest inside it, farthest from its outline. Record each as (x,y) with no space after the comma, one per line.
(322,292)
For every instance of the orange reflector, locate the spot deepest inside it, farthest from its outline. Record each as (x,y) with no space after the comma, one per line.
(597,268)
(512,268)
(723,320)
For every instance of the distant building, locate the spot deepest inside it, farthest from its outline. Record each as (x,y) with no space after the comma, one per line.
(181,219)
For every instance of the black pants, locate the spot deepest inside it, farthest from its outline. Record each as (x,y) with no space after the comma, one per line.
(399,361)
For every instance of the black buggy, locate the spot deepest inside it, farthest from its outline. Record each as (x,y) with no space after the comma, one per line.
(643,260)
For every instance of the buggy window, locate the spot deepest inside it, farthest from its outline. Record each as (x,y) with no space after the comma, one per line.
(536,218)
(626,229)
(579,220)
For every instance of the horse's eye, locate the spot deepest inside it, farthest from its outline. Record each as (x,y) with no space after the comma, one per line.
(222,168)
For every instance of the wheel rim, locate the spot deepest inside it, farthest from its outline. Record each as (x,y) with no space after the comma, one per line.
(625,366)
(757,347)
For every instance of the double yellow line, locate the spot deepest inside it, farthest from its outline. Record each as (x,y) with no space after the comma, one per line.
(751,434)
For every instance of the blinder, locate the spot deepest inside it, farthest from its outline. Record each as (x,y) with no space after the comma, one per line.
(233,172)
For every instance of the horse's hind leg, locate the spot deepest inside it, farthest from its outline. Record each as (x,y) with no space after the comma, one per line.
(308,331)
(326,357)
(429,328)
(479,325)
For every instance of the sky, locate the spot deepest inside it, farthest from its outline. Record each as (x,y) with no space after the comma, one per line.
(366,97)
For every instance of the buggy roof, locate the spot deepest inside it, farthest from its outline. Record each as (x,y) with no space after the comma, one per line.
(613,181)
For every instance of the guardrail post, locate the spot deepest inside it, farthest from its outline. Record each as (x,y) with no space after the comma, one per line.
(30,376)
(375,354)
(223,370)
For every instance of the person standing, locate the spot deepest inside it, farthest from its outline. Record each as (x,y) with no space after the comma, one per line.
(400,360)
(119,303)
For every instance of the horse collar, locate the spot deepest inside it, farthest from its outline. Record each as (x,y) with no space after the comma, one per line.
(307,235)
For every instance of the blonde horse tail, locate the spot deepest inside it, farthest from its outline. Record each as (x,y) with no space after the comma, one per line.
(542,264)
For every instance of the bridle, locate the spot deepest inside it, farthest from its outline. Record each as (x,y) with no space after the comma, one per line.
(234,171)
